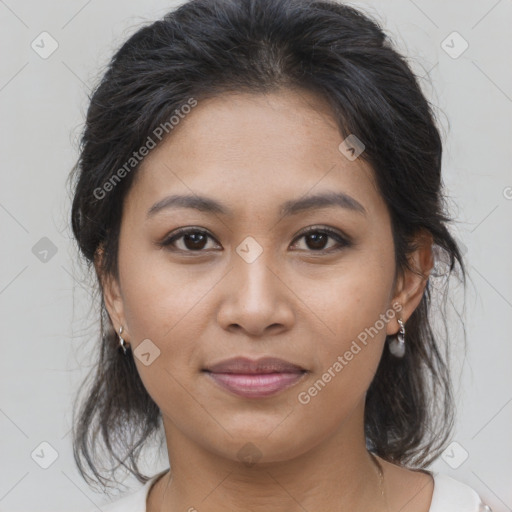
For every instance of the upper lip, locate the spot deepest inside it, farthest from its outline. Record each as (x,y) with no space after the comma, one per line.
(244,365)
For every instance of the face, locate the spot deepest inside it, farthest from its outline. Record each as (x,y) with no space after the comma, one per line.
(266,266)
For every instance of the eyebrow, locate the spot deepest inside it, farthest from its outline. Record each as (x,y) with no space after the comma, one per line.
(209,205)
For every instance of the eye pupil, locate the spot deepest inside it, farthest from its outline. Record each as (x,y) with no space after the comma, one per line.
(319,240)
(198,240)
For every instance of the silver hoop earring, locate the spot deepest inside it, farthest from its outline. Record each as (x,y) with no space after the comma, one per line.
(397,342)
(122,343)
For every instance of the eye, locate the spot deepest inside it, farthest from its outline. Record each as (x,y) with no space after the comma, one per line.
(192,240)
(317,237)
(196,240)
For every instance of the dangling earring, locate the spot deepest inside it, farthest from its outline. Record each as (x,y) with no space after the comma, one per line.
(121,341)
(397,342)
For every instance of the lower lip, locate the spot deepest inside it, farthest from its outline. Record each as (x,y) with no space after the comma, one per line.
(255,385)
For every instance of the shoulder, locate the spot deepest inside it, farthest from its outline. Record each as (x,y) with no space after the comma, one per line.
(133,502)
(430,491)
(450,495)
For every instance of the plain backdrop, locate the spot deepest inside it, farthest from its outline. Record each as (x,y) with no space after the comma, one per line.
(48,326)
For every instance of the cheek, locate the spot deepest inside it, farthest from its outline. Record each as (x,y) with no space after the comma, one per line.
(353,298)
(158,296)
(354,310)
(164,304)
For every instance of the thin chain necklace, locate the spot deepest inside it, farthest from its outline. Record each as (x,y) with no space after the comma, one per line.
(165,491)
(381,478)
(375,460)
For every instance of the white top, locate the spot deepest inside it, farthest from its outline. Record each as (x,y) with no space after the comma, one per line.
(449,495)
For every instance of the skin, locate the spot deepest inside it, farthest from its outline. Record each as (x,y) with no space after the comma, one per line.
(253,152)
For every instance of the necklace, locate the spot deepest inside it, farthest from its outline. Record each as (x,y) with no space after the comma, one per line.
(381,478)
(169,480)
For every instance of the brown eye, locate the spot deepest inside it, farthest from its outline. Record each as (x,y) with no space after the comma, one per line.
(187,240)
(318,238)
(317,241)
(195,241)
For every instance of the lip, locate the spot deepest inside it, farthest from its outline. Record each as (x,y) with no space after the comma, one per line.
(254,366)
(255,378)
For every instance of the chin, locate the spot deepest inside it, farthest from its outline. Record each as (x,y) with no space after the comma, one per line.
(262,445)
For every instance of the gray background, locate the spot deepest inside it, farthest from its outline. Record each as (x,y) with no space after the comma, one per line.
(46,318)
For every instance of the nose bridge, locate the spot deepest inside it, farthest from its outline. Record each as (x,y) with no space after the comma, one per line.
(255,297)
(256,282)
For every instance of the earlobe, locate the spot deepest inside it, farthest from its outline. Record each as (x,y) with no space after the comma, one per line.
(111,294)
(114,304)
(411,283)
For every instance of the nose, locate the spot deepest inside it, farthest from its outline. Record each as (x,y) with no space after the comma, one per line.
(256,301)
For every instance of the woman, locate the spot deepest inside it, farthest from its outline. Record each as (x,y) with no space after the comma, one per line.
(259,192)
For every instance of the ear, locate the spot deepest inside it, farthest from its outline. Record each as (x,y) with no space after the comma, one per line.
(410,284)
(111,294)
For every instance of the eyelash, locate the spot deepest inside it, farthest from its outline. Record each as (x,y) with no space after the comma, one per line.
(176,235)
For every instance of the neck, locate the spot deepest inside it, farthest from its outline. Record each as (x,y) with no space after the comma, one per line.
(338,473)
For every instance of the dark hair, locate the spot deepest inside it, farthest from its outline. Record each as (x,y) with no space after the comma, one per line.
(205,48)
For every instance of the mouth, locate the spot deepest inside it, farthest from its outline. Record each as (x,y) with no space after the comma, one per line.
(255,378)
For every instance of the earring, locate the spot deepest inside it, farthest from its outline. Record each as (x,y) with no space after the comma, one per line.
(121,340)
(397,342)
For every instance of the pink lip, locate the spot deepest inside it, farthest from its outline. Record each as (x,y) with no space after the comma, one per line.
(255,379)
(255,385)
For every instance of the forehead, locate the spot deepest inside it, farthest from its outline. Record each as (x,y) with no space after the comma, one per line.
(254,149)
